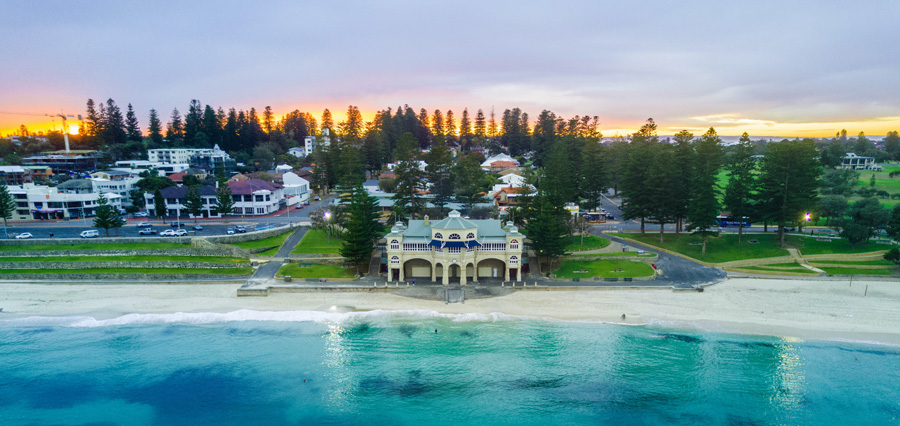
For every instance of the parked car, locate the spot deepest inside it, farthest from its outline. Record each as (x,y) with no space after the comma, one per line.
(90,233)
(240,229)
(177,224)
(141,214)
(147,231)
(180,232)
(230,231)
(316,198)
(144,225)
(168,233)
(197,227)
(24,236)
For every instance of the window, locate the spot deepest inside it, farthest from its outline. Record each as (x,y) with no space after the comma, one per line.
(416,247)
(438,236)
(395,260)
(514,245)
(471,236)
(455,249)
(260,210)
(513,260)
(395,245)
(493,247)
(453,237)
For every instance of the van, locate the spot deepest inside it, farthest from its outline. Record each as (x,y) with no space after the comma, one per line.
(90,233)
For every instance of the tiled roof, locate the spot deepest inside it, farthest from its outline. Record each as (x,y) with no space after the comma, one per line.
(181,191)
(245,187)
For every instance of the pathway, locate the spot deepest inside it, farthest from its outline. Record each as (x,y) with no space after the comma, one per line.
(268,270)
(676,271)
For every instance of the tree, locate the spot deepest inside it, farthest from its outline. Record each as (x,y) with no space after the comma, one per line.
(788,182)
(636,195)
(224,201)
(193,202)
(547,228)
(469,182)
(327,122)
(7,205)
(663,186)
(159,205)
(893,255)
(865,218)
(175,129)
(741,181)
(833,207)
(193,121)
(409,177)
(132,128)
(892,145)
(362,229)
(268,119)
(155,130)
(465,131)
(107,216)
(439,173)
(704,201)
(684,163)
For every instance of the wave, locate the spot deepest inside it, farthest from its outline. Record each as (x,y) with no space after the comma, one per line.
(252,315)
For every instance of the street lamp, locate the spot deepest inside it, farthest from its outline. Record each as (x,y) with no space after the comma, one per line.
(327,216)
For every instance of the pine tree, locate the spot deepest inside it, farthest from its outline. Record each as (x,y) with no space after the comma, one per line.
(362,229)
(268,120)
(7,205)
(469,181)
(450,126)
(492,125)
(683,162)
(193,121)
(155,130)
(788,182)
(741,182)
(224,201)
(159,205)
(193,202)
(132,128)
(114,126)
(662,185)
(210,127)
(480,129)
(704,208)
(175,129)
(327,122)
(465,131)
(547,228)
(439,173)
(593,183)
(408,198)
(636,195)
(437,125)
(107,216)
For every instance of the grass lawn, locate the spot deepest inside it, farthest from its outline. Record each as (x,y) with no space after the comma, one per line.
(316,270)
(277,240)
(881,262)
(95,246)
(763,269)
(882,183)
(724,248)
(603,268)
(270,252)
(591,242)
(316,241)
(205,259)
(626,253)
(220,271)
(838,245)
(855,271)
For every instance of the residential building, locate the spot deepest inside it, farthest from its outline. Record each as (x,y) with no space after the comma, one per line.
(116,182)
(507,197)
(252,197)
(486,165)
(210,159)
(296,189)
(39,173)
(299,152)
(175,201)
(854,162)
(38,202)
(14,175)
(454,250)
(61,162)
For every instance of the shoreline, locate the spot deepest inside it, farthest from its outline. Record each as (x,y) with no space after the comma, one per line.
(802,309)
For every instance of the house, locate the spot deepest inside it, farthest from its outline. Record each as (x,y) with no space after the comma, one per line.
(501,165)
(486,165)
(296,189)
(117,182)
(175,198)
(299,152)
(854,162)
(60,161)
(283,168)
(507,197)
(454,249)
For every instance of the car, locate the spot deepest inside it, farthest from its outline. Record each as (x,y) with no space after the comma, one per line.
(230,231)
(197,227)
(147,231)
(141,214)
(168,233)
(24,236)
(144,225)
(240,229)
(316,198)
(610,217)
(180,232)
(177,224)
(90,233)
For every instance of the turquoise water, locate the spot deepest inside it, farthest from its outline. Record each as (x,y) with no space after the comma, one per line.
(393,369)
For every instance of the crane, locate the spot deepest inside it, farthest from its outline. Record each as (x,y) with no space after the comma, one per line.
(60,115)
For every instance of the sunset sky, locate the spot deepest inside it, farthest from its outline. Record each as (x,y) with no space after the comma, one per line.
(771,68)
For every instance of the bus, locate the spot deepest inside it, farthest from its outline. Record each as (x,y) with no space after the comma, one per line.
(595,217)
(726,221)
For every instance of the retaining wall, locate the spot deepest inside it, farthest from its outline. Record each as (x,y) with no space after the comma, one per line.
(134,252)
(116,276)
(101,240)
(251,236)
(120,264)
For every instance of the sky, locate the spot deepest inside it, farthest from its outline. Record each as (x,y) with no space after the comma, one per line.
(770,68)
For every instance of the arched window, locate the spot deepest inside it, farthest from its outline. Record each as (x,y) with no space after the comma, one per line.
(453,237)
(513,260)
(514,244)
(395,260)
(395,245)
(471,236)
(438,236)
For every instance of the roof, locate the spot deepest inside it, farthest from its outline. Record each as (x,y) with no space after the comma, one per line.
(246,186)
(181,191)
(504,164)
(511,190)
(12,169)
(77,184)
(177,177)
(454,221)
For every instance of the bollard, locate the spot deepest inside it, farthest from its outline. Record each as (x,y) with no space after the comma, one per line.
(287,278)
(375,284)
(501,284)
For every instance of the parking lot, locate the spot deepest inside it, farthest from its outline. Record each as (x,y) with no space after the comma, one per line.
(72,228)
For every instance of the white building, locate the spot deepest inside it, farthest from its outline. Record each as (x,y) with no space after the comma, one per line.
(251,197)
(854,162)
(117,182)
(210,159)
(486,165)
(296,189)
(299,152)
(43,202)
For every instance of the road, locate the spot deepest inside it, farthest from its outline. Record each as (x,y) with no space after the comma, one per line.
(212,226)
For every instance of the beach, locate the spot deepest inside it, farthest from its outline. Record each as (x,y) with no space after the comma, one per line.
(804,309)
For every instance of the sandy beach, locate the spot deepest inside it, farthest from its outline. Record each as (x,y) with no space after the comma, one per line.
(788,308)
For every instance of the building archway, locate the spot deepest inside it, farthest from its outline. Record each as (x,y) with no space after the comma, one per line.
(491,268)
(454,272)
(417,268)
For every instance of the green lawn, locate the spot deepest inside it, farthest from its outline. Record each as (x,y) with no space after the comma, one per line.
(855,271)
(809,246)
(205,259)
(316,270)
(220,271)
(613,254)
(316,241)
(724,248)
(882,183)
(270,252)
(277,240)
(763,269)
(881,262)
(95,246)
(603,268)
(591,242)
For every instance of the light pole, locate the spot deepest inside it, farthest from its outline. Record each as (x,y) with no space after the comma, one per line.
(327,230)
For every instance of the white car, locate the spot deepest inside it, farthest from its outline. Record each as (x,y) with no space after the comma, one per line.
(144,225)
(90,233)
(24,236)
(168,233)
(141,214)
(181,232)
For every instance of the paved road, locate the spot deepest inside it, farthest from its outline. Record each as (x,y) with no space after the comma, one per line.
(268,271)
(677,271)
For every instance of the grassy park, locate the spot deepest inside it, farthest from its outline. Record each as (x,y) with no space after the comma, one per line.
(591,242)
(603,268)
(315,270)
(316,241)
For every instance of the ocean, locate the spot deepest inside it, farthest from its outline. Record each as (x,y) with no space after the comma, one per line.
(424,368)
